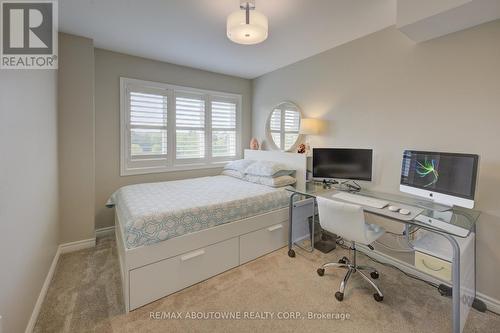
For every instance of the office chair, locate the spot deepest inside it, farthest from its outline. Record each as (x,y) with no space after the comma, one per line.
(348,221)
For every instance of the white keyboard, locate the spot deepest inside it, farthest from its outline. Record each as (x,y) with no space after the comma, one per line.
(361,200)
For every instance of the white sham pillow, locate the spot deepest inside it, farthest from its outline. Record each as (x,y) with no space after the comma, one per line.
(271,181)
(238,165)
(233,173)
(268,169)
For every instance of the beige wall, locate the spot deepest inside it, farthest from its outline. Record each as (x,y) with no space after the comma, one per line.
(385,92)
(28,190)
(109,67)
(76,137)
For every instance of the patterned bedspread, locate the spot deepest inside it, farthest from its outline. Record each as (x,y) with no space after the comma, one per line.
(155,212)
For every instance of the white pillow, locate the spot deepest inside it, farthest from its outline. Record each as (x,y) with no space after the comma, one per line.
(238,165)
(271,181)
(268,169)
(233,173)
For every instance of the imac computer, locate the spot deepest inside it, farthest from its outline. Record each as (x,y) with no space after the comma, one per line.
(342,163)
(445,178)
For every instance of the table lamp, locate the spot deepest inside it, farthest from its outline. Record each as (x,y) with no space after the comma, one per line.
(310,126)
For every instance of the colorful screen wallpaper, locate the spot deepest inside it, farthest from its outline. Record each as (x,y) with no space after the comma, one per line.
(452,174)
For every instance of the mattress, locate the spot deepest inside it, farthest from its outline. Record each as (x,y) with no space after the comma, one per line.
(154,212)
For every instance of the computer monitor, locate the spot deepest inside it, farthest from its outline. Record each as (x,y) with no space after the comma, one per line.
(445,178)
(342,163)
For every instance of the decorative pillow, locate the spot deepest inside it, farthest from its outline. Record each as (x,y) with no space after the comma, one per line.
(233,173)
(238,165)
(271,181)
(268,169)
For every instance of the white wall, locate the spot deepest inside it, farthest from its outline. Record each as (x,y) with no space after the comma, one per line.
(385,92)
(28,190)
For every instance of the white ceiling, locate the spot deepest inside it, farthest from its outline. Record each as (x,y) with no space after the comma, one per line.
(192,32)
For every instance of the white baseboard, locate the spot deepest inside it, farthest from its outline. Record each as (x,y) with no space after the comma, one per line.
(491,303)
(78,245)
(107,231)
(43,292)
(63,248)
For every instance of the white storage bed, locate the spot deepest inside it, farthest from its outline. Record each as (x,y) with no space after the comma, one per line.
(155,263)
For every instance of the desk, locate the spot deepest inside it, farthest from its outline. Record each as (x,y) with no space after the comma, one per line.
(461,221)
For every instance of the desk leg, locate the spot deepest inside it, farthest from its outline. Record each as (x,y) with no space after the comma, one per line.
(455,283)
(291,252)
(313,223)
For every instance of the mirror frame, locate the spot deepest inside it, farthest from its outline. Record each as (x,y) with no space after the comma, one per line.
(269,137)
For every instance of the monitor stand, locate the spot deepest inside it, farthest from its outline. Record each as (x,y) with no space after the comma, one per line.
(431,205)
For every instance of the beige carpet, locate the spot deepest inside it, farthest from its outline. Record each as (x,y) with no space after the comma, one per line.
(85,296)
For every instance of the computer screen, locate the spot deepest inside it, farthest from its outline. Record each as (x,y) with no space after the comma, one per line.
(342,163)
(447,173)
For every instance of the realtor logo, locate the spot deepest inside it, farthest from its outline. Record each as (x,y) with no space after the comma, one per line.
(29,35)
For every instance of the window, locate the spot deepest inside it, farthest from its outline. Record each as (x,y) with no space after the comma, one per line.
(223,127)
(283,125)
(190,126)
(167,128)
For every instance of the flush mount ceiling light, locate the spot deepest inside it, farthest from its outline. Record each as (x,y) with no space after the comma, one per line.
(247,26)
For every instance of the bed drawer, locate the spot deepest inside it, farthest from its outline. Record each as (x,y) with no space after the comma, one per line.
(433,266)
(165,277)
(260,242)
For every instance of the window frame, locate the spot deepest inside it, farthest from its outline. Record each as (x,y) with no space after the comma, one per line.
(169,163)
(283,107)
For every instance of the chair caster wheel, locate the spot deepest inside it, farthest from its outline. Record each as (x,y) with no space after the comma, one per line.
(321,271)
(343,260)
(378,298)
(339,296)
(291,253)
(374,275)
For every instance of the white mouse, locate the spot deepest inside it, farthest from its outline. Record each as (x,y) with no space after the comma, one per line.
(393,208)
(404,211)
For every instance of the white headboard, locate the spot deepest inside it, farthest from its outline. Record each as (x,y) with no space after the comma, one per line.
(293,161)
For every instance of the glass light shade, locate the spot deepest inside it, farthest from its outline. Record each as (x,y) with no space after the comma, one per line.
(310,126)
(240,32)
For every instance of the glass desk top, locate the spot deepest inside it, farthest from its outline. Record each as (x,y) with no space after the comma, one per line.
(455,221)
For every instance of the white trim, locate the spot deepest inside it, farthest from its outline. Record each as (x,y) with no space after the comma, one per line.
(281,106)
(61,249)
(491,303)
(76,246)
(179,167)
(43,292)
(168,162)
(107,231)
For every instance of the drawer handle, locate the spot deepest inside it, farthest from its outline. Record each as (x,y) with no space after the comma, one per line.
(192,255)
(275,227)
(432,269)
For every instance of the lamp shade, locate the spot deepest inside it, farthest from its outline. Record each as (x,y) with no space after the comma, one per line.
(310,126)
(253,33)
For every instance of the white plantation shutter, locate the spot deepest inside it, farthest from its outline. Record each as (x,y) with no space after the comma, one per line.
(190,126)
(275,125)
(284,126)
(166,128)
(292,125)
(147,123)
(224,113)
(276,121)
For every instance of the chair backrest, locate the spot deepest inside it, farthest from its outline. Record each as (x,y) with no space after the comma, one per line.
(343,219)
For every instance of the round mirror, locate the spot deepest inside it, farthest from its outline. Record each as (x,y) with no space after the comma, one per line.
(283,126)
